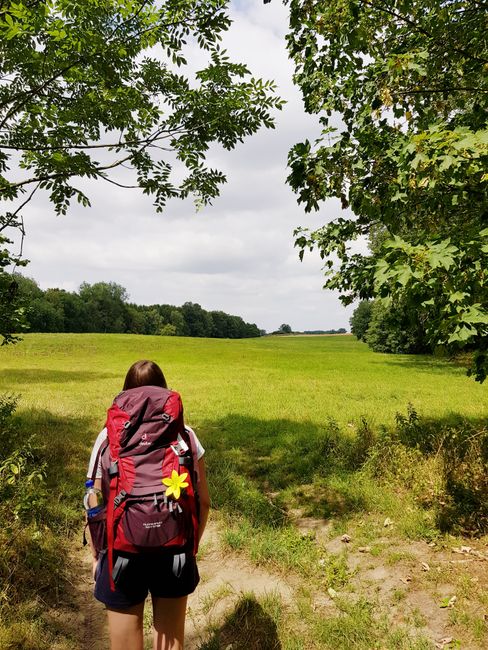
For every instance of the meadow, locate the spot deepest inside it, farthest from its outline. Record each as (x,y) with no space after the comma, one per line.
(307,439)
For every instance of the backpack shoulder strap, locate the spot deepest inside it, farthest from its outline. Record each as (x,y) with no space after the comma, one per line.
(101,448)
(191,443)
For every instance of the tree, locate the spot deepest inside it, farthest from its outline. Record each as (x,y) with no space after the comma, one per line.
(395,330)
(95,89)
(106,305)
(176,319)
(198,321)
(360,319)
(168,330)
(135,319)
(71,306)
(408,80)
(285,329)
(152,321)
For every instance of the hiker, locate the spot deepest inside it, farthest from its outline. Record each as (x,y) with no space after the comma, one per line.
(150,470)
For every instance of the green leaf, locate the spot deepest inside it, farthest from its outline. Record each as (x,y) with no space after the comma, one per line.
(457,296)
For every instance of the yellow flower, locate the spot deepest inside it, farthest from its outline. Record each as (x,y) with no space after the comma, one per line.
(175,484)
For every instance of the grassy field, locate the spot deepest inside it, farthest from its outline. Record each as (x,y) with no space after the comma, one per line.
(303,445)
(302,379)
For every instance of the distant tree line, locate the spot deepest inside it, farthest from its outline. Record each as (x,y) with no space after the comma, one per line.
(104,307)
(286,329)
(341,330)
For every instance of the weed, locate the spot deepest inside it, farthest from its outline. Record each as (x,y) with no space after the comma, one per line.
(357,627)
(398,595)
(394,557)
(210,600)
(337,572)
(252,625)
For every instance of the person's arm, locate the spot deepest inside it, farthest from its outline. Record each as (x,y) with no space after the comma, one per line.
(204,497)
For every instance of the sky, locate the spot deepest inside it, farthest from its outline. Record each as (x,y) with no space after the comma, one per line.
(237,255)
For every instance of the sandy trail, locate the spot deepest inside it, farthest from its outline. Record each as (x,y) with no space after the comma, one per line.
(223,581)
(416,582)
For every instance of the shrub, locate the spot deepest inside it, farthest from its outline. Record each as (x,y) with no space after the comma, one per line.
(445,464)
(32,568)
(360,319)
(394,329)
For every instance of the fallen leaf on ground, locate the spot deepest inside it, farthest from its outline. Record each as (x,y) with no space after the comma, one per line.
(387,522)
(468,550)
(332,592)
(465,550)
(346,539)
(448,602)
(406,579)
(425,566)
(443,642)
(364,549)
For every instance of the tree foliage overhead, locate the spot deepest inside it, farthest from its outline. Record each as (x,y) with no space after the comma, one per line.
(101,89)
(409,81)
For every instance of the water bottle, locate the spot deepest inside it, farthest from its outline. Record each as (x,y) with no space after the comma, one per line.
(93,499)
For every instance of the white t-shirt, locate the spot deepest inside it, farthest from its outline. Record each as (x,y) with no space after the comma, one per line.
(102,436)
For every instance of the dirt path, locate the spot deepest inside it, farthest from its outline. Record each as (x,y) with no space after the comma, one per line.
(223,581)
(408,580)
(93,632)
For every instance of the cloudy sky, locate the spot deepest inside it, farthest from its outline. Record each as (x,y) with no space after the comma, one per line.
(236,255)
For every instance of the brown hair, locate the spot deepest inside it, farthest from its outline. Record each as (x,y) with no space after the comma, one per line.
(144,373)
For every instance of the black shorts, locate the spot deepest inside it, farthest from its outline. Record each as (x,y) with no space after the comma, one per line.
(161,575)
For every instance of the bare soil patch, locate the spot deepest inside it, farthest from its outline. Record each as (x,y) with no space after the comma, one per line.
(412,582)
(409,582)
(91,618)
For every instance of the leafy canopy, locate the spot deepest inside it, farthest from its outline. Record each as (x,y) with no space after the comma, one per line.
(102,90)
(407,81)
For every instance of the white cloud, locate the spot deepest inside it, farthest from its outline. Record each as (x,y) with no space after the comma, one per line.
(237,255)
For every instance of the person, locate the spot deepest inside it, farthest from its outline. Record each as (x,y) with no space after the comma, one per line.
(147,573)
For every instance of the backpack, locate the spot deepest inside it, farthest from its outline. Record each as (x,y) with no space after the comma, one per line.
(149,477)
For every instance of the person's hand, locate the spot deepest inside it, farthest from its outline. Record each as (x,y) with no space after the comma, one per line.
(94,567)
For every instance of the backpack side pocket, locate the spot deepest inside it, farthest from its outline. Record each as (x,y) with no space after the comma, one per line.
(97,525)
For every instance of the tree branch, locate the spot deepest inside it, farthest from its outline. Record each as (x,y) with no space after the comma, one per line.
(374,5)
(14,214)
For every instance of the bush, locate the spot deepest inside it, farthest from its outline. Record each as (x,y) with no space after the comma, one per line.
(465,468)
(360,319)
(22,473)
(32,555)
(393,329)
(445,464)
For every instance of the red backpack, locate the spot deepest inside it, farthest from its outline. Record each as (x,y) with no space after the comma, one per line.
(149,476)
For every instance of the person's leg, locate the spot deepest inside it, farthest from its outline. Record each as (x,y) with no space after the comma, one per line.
(169,623)
(126,628)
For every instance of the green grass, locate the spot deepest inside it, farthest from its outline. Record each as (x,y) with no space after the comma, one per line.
(289,379)
(287,423)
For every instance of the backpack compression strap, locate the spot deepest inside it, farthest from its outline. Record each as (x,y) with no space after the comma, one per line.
(190,462)
(117,421)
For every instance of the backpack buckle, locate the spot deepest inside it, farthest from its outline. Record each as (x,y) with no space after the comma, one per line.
(119,498)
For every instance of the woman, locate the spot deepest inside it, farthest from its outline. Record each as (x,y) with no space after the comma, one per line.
(146,573)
